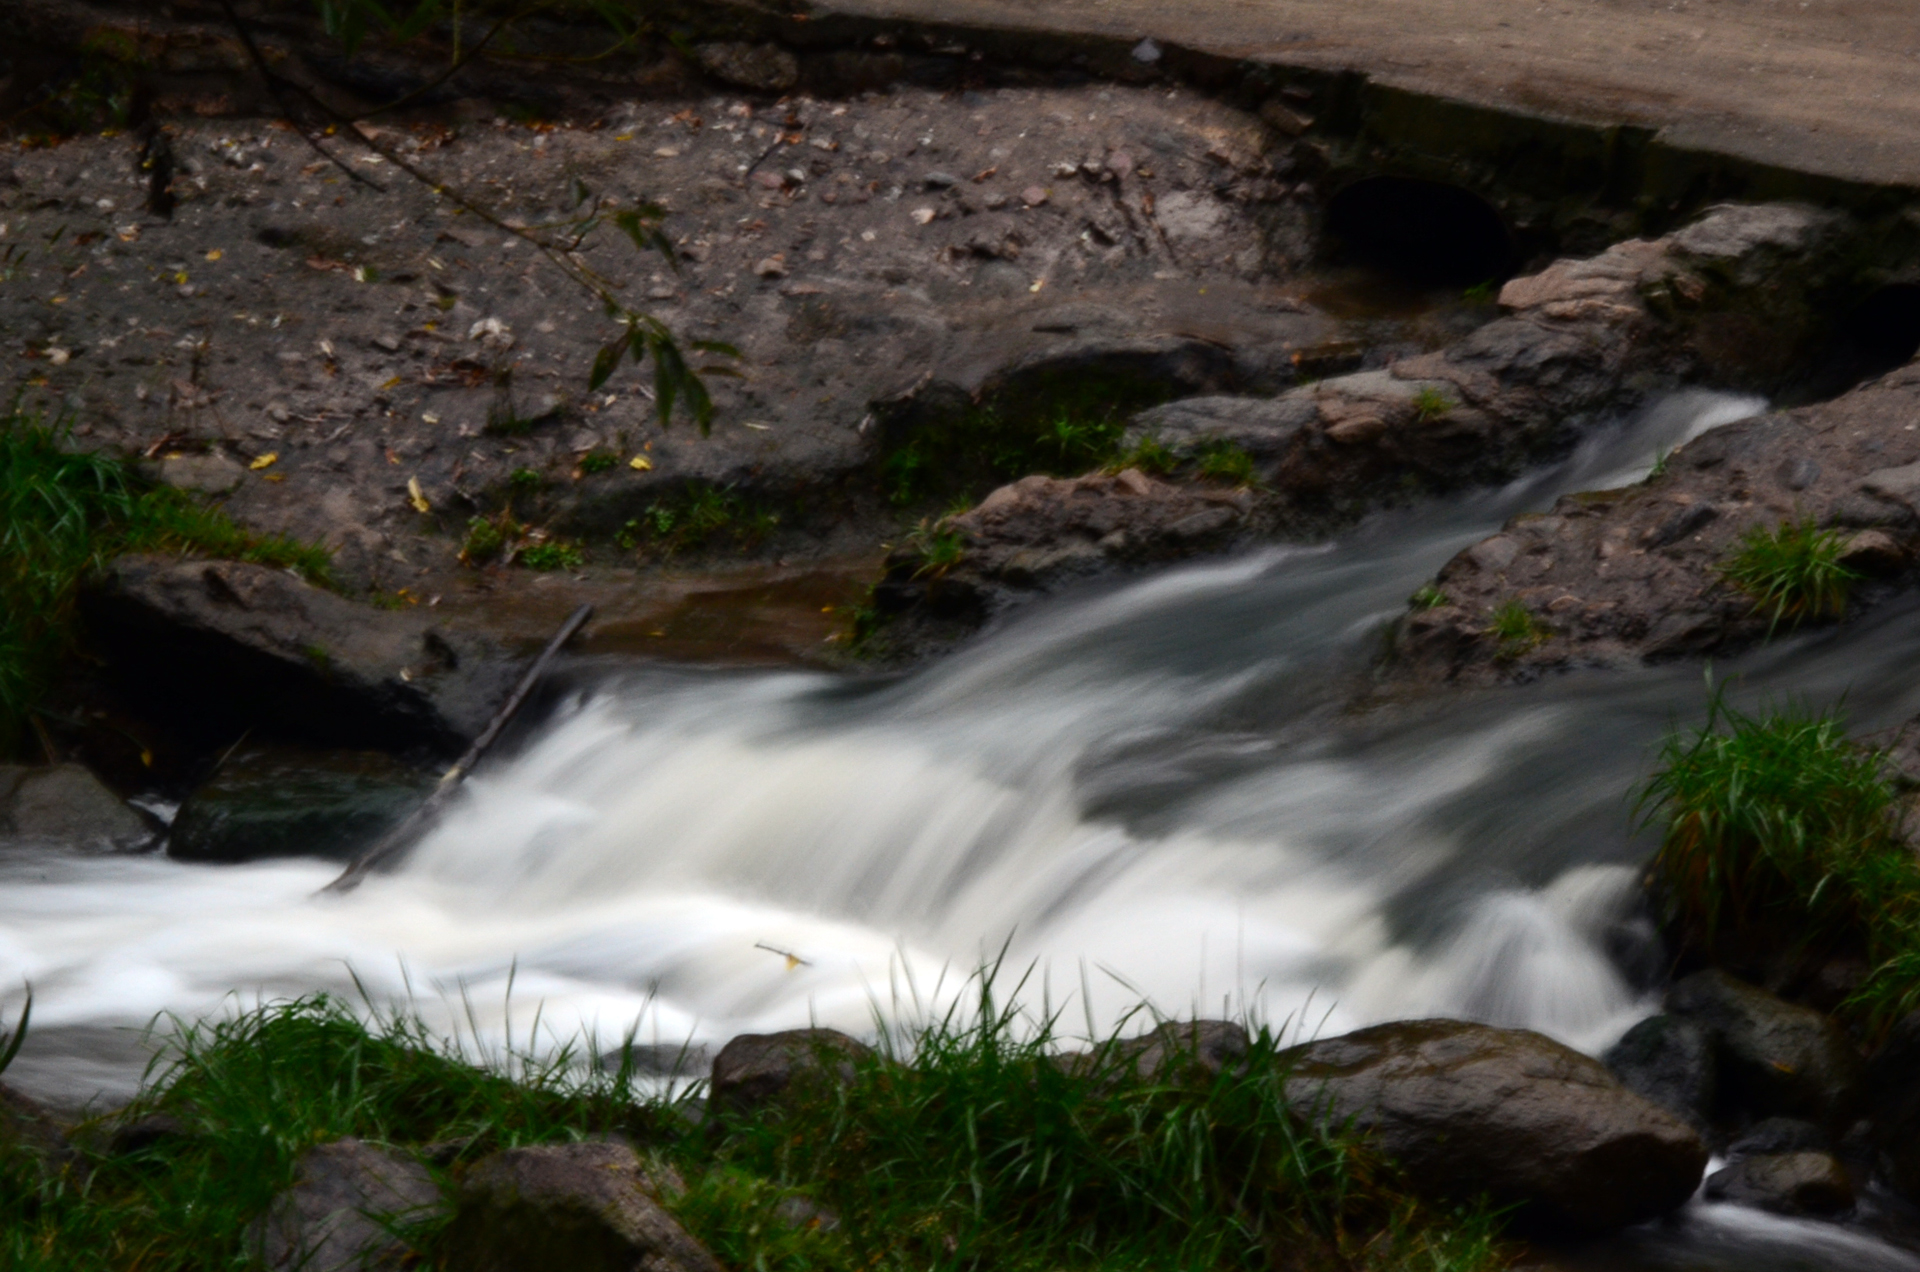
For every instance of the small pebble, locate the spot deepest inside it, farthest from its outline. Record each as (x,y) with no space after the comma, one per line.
(1033,196)
(923,216)
(941,180)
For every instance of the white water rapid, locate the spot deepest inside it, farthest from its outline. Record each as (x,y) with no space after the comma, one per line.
(1147,793)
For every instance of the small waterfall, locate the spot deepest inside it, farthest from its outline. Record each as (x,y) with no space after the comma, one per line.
(1146,792)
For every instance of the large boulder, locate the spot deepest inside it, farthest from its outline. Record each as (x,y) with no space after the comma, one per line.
(1776,1059)
(583,1207)
(338,1215)
(1469,1109)
(757,1070)
(224,648)
(68,807)
(1669,1060)
(283,802)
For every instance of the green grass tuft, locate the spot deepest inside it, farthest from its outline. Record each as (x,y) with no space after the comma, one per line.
(1781,839)
(938,547)
(552,554)
(1225,461)
(65,514)
(1792,572)
(962,1146)
(1430,404)
(697,517)
(1148,455)
(1428,597)
(1516,628)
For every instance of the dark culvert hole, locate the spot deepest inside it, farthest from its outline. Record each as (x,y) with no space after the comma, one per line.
(1428,232)
(1876,336)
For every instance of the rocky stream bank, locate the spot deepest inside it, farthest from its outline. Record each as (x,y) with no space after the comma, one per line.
(1003,334)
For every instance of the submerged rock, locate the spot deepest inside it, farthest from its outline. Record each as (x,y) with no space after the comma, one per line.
(67,806)
(755,1070)
(223,648)
(1776,1058)
(283,802)
(1799,1183)
(1469,1109)
(335,1217)
(584,1207)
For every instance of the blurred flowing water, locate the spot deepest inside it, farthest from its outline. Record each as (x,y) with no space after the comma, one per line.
(1147,793)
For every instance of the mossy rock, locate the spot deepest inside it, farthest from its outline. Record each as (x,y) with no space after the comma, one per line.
(284,802)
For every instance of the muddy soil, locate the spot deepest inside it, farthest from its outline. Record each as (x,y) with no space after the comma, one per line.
(305,346)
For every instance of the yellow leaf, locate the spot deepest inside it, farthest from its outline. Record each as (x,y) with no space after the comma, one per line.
(390,383)
(640,464)
(265,461)
(181,277)
(414,497)
(215,254)
(273,477)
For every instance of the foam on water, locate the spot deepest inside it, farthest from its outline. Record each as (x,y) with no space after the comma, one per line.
(1143,793)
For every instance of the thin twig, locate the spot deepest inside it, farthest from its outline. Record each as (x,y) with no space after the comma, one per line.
(422,818)
(275,84)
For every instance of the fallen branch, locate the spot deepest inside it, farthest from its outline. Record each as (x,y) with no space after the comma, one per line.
(422,819)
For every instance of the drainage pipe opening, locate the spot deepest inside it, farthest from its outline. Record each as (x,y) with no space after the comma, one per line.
(1430,233)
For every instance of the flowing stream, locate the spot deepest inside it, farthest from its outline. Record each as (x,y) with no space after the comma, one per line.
(1148,793)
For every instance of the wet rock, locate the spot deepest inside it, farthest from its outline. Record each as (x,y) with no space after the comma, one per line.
(1184,1049)
(287,802)
(1875,552)
(1892,1102)
(1775,1058)
(335,1216)
(766,68)
(754,1071)
(1043,533)
(1265,428)
(1751,240)
(1799,1183)
(224,648)
(1636,572)
(1468,1108)
(1775,1135)
(1669,1060)
(66,806)
(586,1207)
